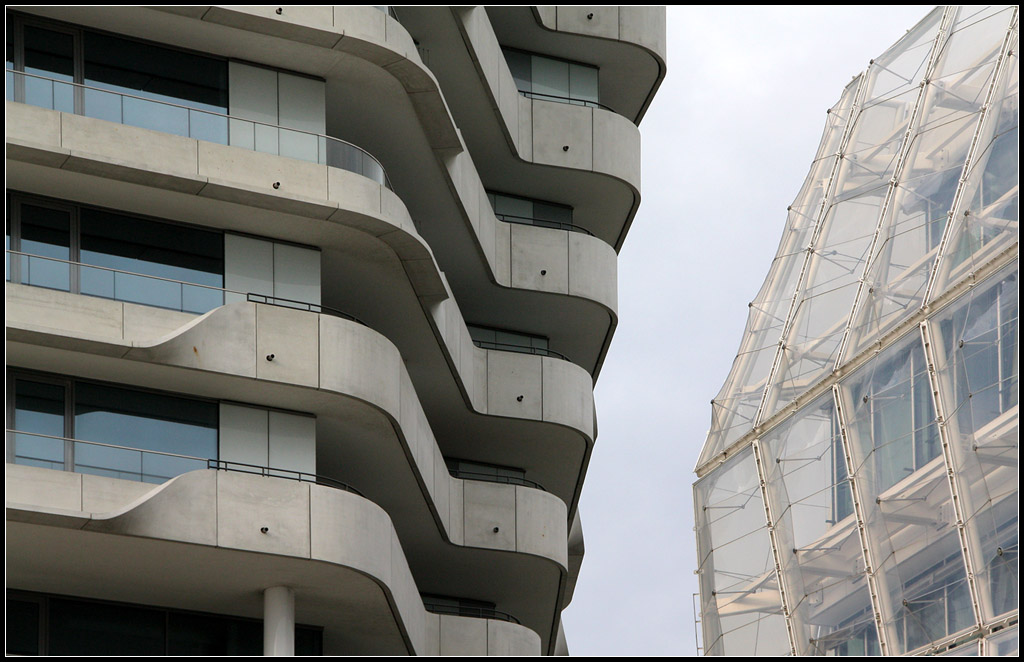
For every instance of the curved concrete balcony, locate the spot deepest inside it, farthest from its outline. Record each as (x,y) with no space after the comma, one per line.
(370,245)
(401,116)
(213,541)
(627,43)
(575,153)
(372,432)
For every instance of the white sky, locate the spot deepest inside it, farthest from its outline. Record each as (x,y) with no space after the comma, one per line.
(726,146)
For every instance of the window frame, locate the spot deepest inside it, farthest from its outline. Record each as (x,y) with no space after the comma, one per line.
(69,382)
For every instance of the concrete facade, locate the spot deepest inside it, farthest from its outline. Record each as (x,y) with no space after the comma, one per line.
(858,489)
(269,259)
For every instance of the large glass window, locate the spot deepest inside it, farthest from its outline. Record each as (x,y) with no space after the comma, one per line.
(510,341)
(149,86)
(108,431)
(137,259)
(553,79)
(55,625)
(516,209)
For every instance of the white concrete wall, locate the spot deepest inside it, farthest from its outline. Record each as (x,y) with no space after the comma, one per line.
(252,435)
(277,99)
(270,268)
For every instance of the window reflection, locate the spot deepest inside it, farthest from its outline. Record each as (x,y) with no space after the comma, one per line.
(553,79)
(134,421)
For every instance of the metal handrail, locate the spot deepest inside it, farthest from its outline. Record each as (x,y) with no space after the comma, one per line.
(540,222)
(324,158)
(492,478)
(472,612)
(249,296)
(220,465)
(506,347)
(569,100)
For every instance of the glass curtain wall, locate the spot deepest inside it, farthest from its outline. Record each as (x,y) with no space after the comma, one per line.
(891,489)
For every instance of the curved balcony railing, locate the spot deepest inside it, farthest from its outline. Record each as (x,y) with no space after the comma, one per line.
(143,465)
(572,101)
(492,478)
(505,347)
(472,612)
(526,220)
(195,123)
(143,289)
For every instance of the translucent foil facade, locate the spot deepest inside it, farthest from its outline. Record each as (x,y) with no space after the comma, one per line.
(858,490)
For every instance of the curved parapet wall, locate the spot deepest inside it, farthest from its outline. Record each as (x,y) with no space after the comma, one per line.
(305,534)
(321,42)
(629,43)
(342,372)
(322,204)
(325,353)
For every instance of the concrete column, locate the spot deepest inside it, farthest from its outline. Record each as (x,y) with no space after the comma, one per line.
(279,621)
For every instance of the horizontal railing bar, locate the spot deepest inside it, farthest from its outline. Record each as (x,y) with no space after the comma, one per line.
(191,109)
(211,463)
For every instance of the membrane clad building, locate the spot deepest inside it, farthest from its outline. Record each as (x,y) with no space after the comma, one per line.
(858,490)
(305,307)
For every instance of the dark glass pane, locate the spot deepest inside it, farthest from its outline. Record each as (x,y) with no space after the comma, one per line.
(22,627)
(49,54)
(197,634)
(39,409)
(520,65)
(151,248)
(554,213)
(157,73)
(45,232)
(309,641)
(144,421)
(87,628)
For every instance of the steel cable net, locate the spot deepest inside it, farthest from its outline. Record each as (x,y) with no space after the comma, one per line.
(887,496)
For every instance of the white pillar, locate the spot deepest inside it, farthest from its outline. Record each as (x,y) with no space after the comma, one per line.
(279,621)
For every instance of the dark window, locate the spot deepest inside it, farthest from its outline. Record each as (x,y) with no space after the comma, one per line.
(134,435)
(516,209)
(139,260)
(54,625)
(553,79)
(510,341)
(125,81)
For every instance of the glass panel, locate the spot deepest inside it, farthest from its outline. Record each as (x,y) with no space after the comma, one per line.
(38,408)
(157,73)
(987,220)
(45,232)
(1004,643)
(88,628)
(906,498)
(977,358)
(151,248)
(583,82)
(736,405)
(195,634)
(49,54)
(550,76)
(521,67)
(22,627)
(817,535)
(741,605)
(146,421)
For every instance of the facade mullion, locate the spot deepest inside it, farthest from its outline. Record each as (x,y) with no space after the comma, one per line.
(945,25)
(984,125)
(770,520)
(809,252)
(875,582)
